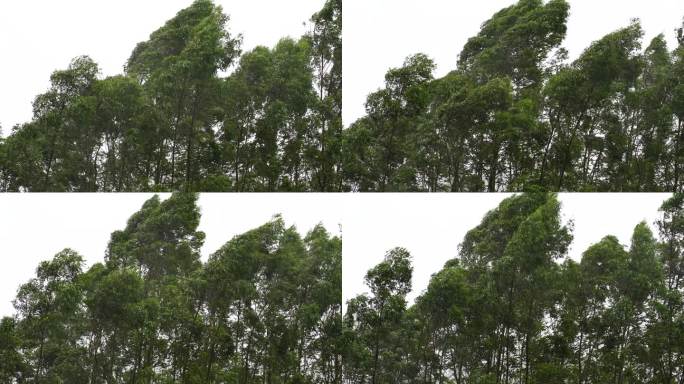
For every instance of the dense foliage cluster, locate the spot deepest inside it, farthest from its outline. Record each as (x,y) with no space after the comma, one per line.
(175,121)
(516,114)
(512,308)
(265,308)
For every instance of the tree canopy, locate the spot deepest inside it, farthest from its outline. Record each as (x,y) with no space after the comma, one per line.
(265,307)
(514,308)
(516,115)
(175,121)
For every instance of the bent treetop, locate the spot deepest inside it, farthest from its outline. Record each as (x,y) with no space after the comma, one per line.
(171,122)
(516,115)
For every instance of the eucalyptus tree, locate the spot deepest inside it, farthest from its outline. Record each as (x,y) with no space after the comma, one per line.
(582,111)
(516,115)
(50,316)
(190,112)
(178,68)
(514,308)
(265,307)
(384,162)
(324,146)
(53,152)
(12,365)
(266,130)
(664,334)
(375,321)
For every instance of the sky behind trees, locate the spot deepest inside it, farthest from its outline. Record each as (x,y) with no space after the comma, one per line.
(432,226)
(41,42)
(440,28)
(265,307)
(37,226)
(513,308)
(261,119)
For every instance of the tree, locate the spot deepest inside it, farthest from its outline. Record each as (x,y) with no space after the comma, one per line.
(12,364)
(375,320)
(265,307)
(324,146)
(663,334)
(512,308)
(49,313)
(515,115)
(192,113)
(391,115)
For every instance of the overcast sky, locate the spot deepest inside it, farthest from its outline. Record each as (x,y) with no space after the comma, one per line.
(34,227)
(41,36)
(431,226)
(379,34)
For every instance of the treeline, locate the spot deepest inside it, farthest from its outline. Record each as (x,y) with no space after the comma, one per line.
(512,308)
(175,121)
(265,308)
(516,115)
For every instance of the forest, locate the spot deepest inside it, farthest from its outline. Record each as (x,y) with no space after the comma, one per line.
(265,307)
(514,308)
(517,115)
(191,112)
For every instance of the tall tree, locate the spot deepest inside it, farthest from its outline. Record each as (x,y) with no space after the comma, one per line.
(512,308)
(516,115)
(265,307)
(326,59)
(190,113)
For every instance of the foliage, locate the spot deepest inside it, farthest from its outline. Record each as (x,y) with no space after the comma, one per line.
(265,308)
(516,116)
(190,113)
(513,308)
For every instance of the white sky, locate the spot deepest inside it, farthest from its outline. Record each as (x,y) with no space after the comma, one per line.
(38,37)
(431,226)
(380,34)
(34,227)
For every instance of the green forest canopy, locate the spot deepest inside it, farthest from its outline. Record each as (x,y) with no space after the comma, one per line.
(516,115)
(265,307)
(170,122)
(513,308)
